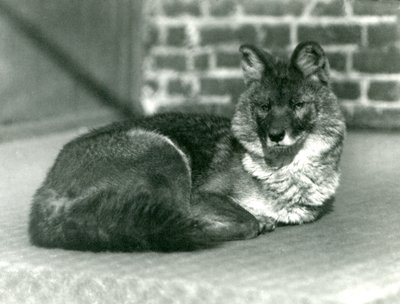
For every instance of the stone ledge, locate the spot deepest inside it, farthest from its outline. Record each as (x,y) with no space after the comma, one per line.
(87,119)
(371,117)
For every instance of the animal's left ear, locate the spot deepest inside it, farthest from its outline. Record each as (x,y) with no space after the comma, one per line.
(310,60)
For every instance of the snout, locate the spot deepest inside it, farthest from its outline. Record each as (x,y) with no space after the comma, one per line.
(276,135)
(280,138)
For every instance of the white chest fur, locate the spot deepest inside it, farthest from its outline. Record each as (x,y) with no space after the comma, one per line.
(290,193)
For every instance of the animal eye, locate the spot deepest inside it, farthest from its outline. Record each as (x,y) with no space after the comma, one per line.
(265,107)
(299,105)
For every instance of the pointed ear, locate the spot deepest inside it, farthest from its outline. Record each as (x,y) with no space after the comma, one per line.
(254,63)
(309,59)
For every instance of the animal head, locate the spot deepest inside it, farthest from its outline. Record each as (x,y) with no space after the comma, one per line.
(285,102)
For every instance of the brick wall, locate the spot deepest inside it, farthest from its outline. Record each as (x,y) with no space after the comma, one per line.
(192,59)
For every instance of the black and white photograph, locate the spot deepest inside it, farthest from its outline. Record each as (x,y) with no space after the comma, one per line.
(209,151)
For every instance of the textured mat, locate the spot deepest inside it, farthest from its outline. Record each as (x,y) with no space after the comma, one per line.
(352,255)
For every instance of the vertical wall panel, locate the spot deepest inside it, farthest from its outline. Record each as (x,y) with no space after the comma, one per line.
(103,37)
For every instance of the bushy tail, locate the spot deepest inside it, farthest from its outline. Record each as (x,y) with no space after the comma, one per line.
(123,221)
(212,219)
(161,227)
(116,220)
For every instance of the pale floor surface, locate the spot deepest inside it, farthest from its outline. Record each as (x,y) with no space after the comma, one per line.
(351,255)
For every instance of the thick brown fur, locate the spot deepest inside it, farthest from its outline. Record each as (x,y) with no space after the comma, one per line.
(181,182)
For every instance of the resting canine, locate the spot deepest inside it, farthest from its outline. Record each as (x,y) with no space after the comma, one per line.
(184,181)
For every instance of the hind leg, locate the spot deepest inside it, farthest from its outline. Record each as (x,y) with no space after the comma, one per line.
(226,220)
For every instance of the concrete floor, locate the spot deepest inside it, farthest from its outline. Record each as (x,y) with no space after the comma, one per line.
(351,255)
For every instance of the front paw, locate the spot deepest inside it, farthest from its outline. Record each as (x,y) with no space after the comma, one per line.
(266,224)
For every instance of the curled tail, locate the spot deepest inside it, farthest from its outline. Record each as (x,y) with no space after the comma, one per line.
(160,227)
(138,221)
(110,221)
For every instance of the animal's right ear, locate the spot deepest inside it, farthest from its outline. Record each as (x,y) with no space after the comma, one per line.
(310,60)
(253,63)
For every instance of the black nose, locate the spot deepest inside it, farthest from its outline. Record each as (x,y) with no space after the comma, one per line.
(276,135)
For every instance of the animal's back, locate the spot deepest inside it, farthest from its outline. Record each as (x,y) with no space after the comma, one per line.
(196,134)
(102,178)
(124,186)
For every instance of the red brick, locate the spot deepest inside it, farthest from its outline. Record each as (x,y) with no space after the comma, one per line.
(332,8)
(152,84)
(171,62)
(201,62)
(384,90)
(224,34)
(222,7)
(274,7)
(337,61)
(346,90)
(225,59)
(377,61)
(382,34)
(178,8)
(331,34)
(213,35)
(151,36)
(275,36)
(227,86)
(176,36)
(373,7)
(246,34)
(178,87)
